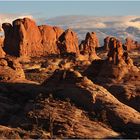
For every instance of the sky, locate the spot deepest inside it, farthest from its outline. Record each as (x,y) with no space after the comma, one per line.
(49,9)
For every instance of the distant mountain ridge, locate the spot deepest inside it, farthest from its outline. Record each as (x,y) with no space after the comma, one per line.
(119,26)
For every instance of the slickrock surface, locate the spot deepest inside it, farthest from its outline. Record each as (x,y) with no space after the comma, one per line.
(68,121)
(46,117)
(116,66)
(82,91)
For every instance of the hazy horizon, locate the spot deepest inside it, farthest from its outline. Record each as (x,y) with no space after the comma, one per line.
(49,9)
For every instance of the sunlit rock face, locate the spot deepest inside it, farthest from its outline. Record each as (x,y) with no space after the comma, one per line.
(131,44)
(88,46)
(68,42)
(25,38)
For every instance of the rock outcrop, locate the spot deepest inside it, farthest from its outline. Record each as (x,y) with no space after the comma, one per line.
(118,74)
(68,42)
(88,46)
(25,38)
(130,44)
(84,93)
(22,38)
(82,96)
(73,123)
(106,43)
(115,51)
(49,37)
(10,70)
(116,66)
(30,115)
(1,41)
(117,55)
(2,53)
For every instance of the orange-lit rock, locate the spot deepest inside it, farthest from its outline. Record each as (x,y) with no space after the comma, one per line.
(115,52)
(10,70)
(130,44)
(88,46)
(25,38)
(106,42)
(2,53)
(68,42)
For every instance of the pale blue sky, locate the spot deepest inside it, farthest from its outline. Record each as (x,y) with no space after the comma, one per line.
(59,8)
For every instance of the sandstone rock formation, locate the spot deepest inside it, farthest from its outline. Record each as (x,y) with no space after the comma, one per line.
(9,133)
(1,41)
(115,52)
(118,74)
(49,36)
(117,55)
(68,121)
(128,90)
(88,46)
(10,70)
(22,38)
(71,84)
(2,53)
(116,66)
(69,103)
(25,38)
(68,42)
(40,116)
(106,43)
(130,44)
